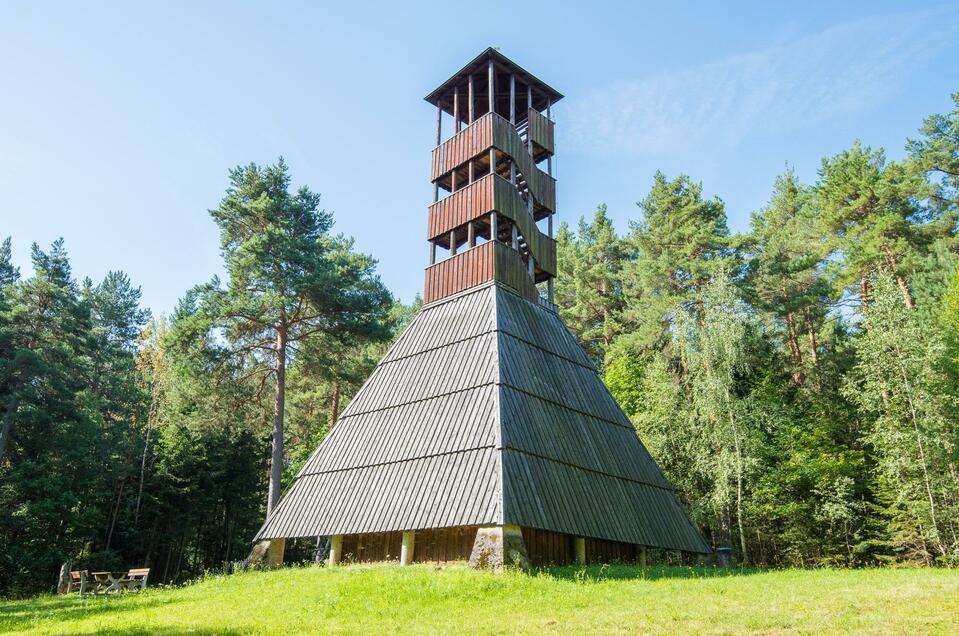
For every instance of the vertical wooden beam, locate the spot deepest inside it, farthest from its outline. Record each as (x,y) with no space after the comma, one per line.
(336,549)
(642,556)
(439,138)
(512,99)
(493,226)
(529,107)
(453,181)
(579,549)
(472,174)
(530,265)
(515,235)
(406,550)
(491,82)
(453,242)
(549,225)
(549,289)
(469,90)
(456,109)
(432,253)
(470,235)
(549,158)
(512,172)
(492,160)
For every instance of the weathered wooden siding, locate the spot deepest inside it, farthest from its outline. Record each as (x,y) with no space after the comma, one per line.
(372,547)
(444,545)
(545,547)
(472,267)
(491,193)
(467,269)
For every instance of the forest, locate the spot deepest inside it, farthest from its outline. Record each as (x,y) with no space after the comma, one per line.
(798,383)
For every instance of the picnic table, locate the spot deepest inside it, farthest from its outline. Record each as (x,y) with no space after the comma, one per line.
(109,582)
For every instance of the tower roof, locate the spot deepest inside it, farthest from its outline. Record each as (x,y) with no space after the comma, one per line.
(485,411)
(542,92)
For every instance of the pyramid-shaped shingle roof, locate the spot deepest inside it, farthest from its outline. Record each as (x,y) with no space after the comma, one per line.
(486,411)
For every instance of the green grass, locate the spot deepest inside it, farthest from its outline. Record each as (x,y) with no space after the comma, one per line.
(424,600)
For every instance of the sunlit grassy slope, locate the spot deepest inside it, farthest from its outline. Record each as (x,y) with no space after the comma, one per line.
(423,600)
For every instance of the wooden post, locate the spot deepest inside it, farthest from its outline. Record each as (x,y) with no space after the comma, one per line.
(531,265)
(549,225)
(406,551)
(492,160)
(493,226)
(491,82)
(512,172)
(580,550)
(470,235)
(439,137)
(453,181)
(452,242)
(549,158)
(529,107)
(472,175)
(642,556)
(456,109)
(469,91)
(432,253)
(549,289)
(512,99)
(515,234)
(336,549)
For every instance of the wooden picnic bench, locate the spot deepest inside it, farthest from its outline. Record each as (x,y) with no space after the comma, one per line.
(107,582)
(79,582)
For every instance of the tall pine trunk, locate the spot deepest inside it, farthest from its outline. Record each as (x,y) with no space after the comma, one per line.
(276,459)
(6,430)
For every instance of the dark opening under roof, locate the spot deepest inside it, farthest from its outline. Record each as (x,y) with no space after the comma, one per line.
(478,67)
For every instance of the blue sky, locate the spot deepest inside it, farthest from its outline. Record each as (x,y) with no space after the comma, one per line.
(118,122)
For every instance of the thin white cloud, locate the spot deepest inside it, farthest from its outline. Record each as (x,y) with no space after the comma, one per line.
(845,69)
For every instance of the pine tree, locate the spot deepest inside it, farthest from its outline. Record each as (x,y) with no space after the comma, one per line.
(871,209)
(784,278)
(681,242)
(289,280)
(588,290)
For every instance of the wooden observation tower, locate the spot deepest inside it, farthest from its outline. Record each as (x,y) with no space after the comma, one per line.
(500,195)
(485,432)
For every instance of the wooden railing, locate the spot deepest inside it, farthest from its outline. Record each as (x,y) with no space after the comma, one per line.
(540,130)
(490,193)
(490,261)
(493,130)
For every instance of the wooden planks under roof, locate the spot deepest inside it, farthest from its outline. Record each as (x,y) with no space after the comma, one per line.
(485,411)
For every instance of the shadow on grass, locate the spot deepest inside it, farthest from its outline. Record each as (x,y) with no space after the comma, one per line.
(17,616)
(618,572)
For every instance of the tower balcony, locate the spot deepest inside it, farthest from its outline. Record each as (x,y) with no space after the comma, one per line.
(474,202)
(493,131)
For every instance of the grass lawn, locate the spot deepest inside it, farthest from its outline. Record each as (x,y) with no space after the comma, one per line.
(421,599)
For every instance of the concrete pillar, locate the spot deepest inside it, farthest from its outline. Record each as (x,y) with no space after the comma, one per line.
(499,547)
(336,549)
(642,556)
(274,553)
(580,550)
(406,552)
